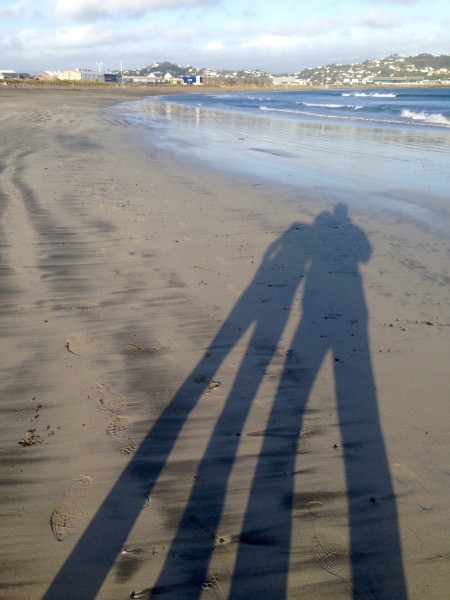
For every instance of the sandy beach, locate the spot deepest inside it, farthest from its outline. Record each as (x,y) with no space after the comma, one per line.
(211,387)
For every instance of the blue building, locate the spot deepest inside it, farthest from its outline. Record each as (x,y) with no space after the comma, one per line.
(193,80)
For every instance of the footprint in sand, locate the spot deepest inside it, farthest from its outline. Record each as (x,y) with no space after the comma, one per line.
(117,429)
(274,375)
(66,515)
(414,484)
(231,368)
(134,353)
(303,446)
(110,400)
(92,311)
(330,551)
(316,508)
(75,345)
(303,443)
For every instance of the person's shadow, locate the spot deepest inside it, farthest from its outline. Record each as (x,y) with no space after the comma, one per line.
(334,319)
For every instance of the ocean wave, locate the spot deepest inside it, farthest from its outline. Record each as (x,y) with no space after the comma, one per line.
(431,118)
(326,115)
(424,119)
(291,111)
(442,95)
(373,95)
(318,105)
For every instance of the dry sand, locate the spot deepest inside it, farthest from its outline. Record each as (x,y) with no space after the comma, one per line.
(190,403)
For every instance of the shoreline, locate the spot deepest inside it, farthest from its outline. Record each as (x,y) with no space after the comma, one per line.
(378,168)
(156,90)
(120,269)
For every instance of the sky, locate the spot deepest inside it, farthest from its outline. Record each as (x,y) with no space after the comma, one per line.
(277,36)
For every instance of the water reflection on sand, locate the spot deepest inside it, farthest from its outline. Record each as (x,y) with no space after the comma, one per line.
(398,168)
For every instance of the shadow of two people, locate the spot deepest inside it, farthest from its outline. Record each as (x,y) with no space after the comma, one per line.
(324,258)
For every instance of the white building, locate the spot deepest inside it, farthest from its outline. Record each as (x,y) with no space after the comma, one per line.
(8,74)
(287,80)
(80,75)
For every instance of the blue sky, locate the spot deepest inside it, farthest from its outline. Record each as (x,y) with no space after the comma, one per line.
(273,35)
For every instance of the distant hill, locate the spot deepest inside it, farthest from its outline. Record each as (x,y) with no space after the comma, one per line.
(423,68)
(161,68)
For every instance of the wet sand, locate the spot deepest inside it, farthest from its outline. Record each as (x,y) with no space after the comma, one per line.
(210,387)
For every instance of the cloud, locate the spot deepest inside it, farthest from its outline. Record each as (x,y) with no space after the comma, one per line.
(377,20)
(19,10)
(83,10)
(219,33)
(177,35)
(83,40)
(214,46)
(66,39)
(236,28)
(271,41)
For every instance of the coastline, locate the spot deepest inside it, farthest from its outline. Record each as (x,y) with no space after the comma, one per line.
(119,269)
(323,145)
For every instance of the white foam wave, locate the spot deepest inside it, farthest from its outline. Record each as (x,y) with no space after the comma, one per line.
(431,118)
(364,95)
(324,115)
(313,104)
(285,110)
(323,105)
(424,118)
(330,116)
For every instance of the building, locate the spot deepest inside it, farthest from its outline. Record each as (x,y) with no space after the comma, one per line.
(10,74)
(192,80)
(47,75)
(112,78)
(397,80)
(80,75)
(142,79)
(287,80)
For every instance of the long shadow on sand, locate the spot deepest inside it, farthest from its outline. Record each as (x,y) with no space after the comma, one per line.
(334,319)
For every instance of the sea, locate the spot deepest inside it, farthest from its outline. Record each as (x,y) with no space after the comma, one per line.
(386,149)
